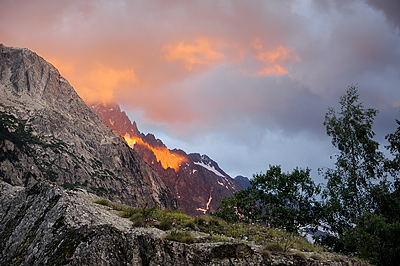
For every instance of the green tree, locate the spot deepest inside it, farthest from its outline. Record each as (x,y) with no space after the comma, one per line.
(374,238)
(288,199)
(394,148)
(388,196)
(284,200)
(358,163)
(241,207)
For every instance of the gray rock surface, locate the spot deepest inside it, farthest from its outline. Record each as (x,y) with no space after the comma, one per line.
(44,224)
(47,132)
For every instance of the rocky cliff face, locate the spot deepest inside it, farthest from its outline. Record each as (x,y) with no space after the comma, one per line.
(43,224)
(49,133)
(197,181)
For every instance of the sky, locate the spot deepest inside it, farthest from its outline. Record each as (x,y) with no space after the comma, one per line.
(246,82)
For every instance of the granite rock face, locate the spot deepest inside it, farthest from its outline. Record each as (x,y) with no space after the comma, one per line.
(44,224)
(47,132)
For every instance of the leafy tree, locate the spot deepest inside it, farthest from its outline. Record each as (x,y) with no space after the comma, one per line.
(241,207)
(285,200)
(375,239)
(358,162)
(394,148)
(288,199)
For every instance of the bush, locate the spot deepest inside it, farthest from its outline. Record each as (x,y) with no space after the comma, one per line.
(165,224)
(190,224)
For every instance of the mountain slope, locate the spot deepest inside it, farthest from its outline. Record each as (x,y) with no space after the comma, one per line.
(244,181)
(196,181)
(48,132)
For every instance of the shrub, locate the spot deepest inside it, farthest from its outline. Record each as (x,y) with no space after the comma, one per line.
(138,220)
(165,224)
(200,220)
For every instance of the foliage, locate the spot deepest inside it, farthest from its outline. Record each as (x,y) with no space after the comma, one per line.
(358,163)
(144,216)
(375,239)
(386,196)
(361,205)
(284,200)
(288,199)
(242,206)
(394,148)
(166,224)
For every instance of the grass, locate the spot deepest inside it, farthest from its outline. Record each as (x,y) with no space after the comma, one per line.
(300,256)
(208,229)
(179,226)
(180,236)
(316,256)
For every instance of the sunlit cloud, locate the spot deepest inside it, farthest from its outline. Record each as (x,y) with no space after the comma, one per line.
(65,67)
(275,59)
(104,80)
(199,52)
(98,84)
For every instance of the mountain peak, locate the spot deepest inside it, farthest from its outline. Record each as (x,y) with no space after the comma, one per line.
(196,180)
(49,133)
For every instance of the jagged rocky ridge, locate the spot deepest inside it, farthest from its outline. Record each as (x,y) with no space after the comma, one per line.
(48,133)
(199,184)
(44,224)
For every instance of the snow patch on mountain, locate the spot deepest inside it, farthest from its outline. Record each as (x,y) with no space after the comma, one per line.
(210,168)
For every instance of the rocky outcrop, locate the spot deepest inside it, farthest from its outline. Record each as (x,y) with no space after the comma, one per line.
(49,133)
(44,224)
(199,184)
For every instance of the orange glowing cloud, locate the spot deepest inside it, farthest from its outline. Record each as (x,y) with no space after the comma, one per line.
(98,83)
(65,67)
(199,52)
(104,80)
(163,155)
(274,59)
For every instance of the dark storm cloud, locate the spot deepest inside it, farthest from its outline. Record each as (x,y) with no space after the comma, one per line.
(391,9)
